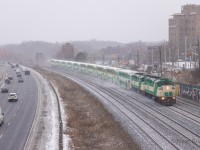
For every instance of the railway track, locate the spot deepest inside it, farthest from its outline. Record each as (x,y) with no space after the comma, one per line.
(147,130)
(188,135)
(188,102)
(184,112)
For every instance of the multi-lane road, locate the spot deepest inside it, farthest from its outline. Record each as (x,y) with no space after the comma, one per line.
(18,115)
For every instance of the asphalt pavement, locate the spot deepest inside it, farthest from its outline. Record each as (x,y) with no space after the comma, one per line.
(18,115)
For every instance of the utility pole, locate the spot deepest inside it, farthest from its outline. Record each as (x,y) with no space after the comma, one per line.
(199,51)
(103,59)
(118,60)
(195,59)
(137,58)
(190,56)
(178,56)
(165,52)
(169,56)
(152,54)
(185,50)
(160,61)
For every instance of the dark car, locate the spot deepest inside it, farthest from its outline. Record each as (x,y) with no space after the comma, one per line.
(27,72)
(19,75)
(10,77)
(20,80)
(4,90)
(7,81)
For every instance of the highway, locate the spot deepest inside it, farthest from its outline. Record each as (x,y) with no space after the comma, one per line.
(18,115)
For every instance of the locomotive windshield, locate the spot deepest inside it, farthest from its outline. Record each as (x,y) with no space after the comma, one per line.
(164,82)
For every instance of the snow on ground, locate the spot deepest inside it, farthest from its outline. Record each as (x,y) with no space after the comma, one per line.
(44,133)
(182,64)
(53,135)
(66,138)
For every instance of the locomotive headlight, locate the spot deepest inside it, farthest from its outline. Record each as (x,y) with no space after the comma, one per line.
(174,97)
(163,98)
(167,87)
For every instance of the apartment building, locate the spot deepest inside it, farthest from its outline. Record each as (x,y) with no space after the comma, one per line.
(184,29)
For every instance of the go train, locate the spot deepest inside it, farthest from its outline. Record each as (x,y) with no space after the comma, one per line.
(160,89)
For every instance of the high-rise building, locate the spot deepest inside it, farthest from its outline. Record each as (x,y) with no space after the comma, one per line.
(184,29)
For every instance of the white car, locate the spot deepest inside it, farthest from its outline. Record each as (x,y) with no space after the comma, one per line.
(12,97)
(1,117)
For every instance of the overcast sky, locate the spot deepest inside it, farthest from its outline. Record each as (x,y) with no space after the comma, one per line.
(68,20)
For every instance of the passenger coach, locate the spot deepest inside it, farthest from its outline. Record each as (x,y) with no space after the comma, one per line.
(161,89)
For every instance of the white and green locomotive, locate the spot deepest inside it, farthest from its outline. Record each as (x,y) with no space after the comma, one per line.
(161,89)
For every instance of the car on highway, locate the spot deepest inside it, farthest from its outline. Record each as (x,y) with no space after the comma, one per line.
(10,77)
(4,90)
(12,97)
(7,81)
(18,71)
(19,75)
(1,117)
(27,72)
(20,80)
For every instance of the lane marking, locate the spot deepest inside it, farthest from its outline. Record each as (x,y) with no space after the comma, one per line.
(18,107)
(8,123)
(14,115)
(1,136)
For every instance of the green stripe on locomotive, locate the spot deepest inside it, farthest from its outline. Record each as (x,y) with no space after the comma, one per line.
(154,86)
(150,86)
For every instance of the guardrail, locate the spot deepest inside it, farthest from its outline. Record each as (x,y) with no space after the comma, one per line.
(188,91)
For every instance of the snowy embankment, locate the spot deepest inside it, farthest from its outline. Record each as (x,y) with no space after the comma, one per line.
(44,133)
(64,120)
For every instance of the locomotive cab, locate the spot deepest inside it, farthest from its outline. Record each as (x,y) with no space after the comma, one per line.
(165,91)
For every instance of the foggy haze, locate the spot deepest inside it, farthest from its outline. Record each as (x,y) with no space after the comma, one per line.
(70,20)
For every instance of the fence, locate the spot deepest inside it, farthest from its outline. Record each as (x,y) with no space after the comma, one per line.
(188,91)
